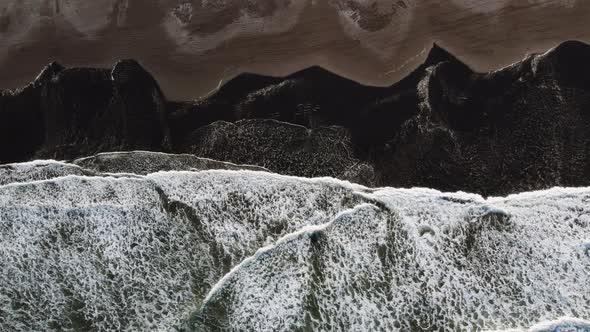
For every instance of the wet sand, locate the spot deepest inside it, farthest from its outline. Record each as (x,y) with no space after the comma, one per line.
(191,59)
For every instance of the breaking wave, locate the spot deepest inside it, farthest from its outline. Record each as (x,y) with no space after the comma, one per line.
(221,250)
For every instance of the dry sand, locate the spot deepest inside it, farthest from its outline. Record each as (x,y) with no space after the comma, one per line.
(192,46)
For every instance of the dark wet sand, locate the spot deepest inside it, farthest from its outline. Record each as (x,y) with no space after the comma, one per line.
(484,40)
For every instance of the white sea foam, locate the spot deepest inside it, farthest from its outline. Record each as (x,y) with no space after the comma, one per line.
(430,261)
(36,170)
(564,324)
(250,250)
(140,253)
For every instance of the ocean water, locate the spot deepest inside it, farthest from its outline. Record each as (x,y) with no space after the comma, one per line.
(254,251)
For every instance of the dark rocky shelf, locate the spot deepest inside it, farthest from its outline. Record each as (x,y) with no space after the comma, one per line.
(519,128)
